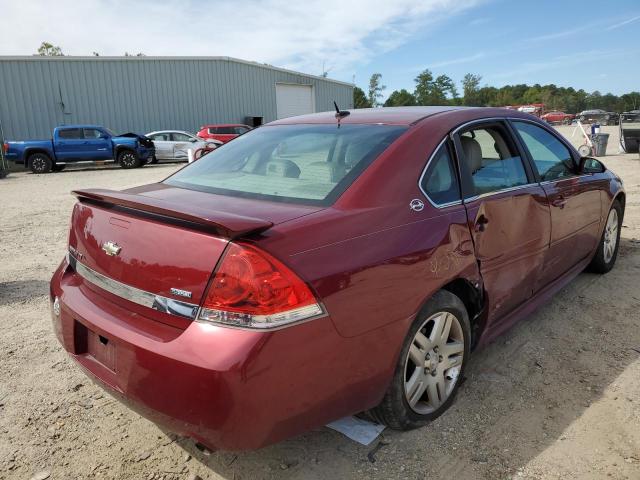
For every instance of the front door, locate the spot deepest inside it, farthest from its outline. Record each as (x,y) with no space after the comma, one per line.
(97,145)
(508,216)
(574,200)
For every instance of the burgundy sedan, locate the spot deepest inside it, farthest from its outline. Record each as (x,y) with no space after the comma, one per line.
(326,265)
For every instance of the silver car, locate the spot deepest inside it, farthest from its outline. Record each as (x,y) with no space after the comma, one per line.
(175,144)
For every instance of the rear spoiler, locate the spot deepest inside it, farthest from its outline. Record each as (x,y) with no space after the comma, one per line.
(226,224)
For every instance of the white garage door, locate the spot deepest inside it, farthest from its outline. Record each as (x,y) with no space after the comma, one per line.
(293,100)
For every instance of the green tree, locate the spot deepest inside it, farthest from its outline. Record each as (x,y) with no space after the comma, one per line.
(470,87)
(48,50)
(360,99)
(375,89)
(400,98)
(434,91)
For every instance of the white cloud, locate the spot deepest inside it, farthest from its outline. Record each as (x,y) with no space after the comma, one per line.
(623,23)
(297,35)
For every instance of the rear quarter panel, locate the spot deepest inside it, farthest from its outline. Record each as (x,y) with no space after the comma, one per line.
(19,151)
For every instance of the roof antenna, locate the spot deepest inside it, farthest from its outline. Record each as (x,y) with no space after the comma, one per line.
(340,113)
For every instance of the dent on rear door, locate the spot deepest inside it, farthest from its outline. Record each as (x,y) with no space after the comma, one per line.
(511,248)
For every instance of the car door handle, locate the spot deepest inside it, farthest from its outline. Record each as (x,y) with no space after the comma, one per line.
(559,201)
(481,223)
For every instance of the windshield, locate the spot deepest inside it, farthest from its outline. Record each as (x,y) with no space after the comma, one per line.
(296,163)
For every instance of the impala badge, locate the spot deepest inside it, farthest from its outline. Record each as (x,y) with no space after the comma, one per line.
(111,248)
(416,205)
(181,293)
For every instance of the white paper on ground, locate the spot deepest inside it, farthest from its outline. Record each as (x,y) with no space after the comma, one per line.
(357,429)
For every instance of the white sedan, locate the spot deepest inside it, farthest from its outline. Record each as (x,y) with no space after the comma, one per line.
(175,144)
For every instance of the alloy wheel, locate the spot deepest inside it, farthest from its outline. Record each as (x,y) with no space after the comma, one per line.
(610,235)
(128,159)
(39,164)
(434,362)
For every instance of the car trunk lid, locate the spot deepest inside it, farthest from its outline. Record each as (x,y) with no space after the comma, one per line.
(163,245)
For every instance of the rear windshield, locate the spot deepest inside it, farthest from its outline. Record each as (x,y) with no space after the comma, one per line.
(310,164)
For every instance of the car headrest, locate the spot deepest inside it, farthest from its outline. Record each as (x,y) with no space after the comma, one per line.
(282,168)
(472,153)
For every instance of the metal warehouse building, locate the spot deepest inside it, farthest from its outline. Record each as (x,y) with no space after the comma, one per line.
(142,94)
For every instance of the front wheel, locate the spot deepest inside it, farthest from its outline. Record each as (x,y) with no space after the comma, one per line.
(607,252)
(431,365)
(128,159)
(154,159)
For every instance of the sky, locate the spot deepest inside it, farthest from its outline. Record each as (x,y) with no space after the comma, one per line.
(586,44)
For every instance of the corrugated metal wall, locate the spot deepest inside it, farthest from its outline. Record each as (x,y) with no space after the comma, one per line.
(143,94)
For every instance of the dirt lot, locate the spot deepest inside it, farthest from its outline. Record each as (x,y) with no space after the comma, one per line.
(556,397)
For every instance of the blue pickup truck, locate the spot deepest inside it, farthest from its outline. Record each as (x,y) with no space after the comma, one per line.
(81,143)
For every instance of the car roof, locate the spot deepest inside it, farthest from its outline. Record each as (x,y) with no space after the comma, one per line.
(395,115)
(80,126)
(209,125)
(171,131)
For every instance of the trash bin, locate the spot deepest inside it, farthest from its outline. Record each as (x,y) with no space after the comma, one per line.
(600,141)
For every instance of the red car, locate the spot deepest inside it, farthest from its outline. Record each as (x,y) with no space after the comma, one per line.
(558,117)
(326,265)
(223,133)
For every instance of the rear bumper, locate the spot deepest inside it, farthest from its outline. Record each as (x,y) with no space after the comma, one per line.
(228,388)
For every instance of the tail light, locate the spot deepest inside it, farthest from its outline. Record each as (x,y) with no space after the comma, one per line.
(5,147)
(252,289)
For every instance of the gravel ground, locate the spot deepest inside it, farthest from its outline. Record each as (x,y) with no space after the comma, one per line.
(556,397)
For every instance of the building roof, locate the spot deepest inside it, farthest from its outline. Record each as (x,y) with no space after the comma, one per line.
(93,58)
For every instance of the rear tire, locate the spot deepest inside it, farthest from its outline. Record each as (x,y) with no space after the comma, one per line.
(40,163)
(607,252)
(129,159)
(430,366)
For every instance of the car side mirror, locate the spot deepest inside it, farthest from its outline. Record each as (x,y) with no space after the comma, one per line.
(590,165)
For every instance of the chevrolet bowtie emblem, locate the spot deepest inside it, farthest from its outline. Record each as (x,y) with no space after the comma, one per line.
(111,248)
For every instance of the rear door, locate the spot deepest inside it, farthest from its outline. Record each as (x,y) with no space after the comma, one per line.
(97,144)
(70,145)
(575,201)
(224,134)
(507,214)
(181,145)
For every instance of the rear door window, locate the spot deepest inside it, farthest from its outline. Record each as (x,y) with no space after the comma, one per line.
(440,182)
(180,137)
(71,133)
(310,164)
(491,159)
(552,158)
